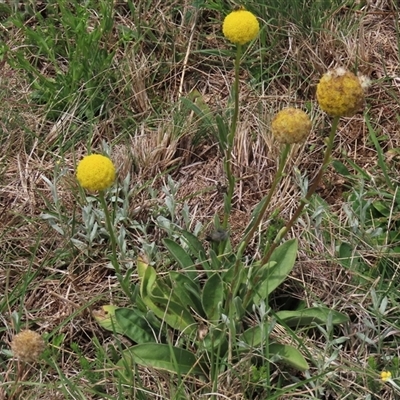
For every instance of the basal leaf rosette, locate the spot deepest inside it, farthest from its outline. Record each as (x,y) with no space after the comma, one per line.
(291,125)
(340,93)
(240,26)
(95,172)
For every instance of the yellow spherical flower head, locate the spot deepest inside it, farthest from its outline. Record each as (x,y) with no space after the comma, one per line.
(95,172)
(291,125)
(27,346)
(340,93)
(240,26)
(386,375)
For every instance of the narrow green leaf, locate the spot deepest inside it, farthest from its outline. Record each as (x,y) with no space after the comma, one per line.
(181,256)
(162,356)
(215,264)
(223,131)
(381,156)
(288,355)
(318,315)
(187,291)
(213,296)
(341,168)
(203,112)
(147,276)
(175,315)
(197,249)
(254,215)
(134,325)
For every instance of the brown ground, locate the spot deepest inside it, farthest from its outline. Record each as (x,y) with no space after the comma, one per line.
(28,243)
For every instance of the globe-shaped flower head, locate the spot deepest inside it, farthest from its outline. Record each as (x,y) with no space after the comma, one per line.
(240,26)
(95,172)
(340,93)
(291,125)
(27,346)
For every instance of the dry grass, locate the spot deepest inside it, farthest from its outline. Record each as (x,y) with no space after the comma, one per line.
(62,284)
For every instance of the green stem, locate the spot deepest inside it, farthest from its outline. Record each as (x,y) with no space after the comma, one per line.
(242,246)
(231,140)
(282,162)
(310,192)
(114,258)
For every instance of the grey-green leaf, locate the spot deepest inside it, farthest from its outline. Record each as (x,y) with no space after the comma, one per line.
(134,325)
(162,356)
(181,256)
(318,315)
(212,296)
(289,355)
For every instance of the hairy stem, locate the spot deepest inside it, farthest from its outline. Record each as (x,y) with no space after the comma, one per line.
(310,192)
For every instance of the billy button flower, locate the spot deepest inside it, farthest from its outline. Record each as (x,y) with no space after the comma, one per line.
(340,93)
(27,346)
(385,376)
(240,26)
(291,125)
(95,172)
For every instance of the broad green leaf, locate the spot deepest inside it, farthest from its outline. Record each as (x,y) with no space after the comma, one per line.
(197,249)
(259,272)
(187,291)
(105,317)
(284,256)
(162,356)
(134,325)
(254,336)
(288,355)
(318,315)
(182,257)
(174,314)
(213,296)
(216,340)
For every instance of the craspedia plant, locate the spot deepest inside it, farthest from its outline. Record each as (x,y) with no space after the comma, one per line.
(340,93)
(291,125)
(240,26)
(27,346)
(96,172)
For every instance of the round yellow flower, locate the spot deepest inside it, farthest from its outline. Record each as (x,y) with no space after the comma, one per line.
(240,26)
(291,125)
(95,172)
(340,93)
(386,375)
(27,346)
